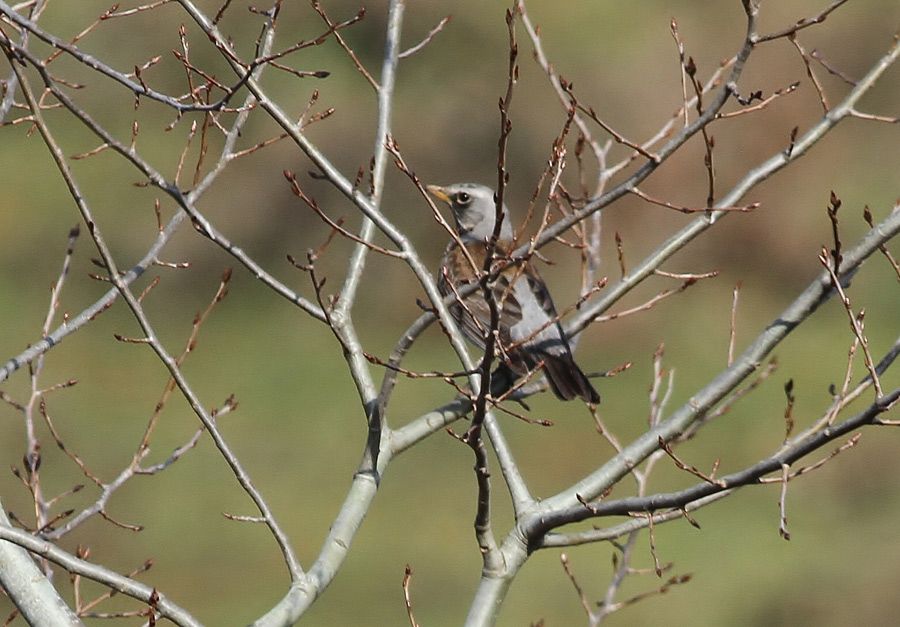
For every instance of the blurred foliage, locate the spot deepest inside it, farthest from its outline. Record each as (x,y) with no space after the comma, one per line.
(299,428)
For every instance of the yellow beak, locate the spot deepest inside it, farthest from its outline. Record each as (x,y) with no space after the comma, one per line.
(439,192)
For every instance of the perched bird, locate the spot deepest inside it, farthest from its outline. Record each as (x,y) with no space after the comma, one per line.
(529,329)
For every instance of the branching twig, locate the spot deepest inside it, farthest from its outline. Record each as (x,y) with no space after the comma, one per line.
(340,39)
(856,320)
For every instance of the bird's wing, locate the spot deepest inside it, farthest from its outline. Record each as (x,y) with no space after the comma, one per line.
(530,332)
(474,315)
(539,289)
(539,331)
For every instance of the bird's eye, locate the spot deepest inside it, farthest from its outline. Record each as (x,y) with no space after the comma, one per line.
(462,198)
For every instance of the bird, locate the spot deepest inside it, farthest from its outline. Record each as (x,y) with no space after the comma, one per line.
(529,331)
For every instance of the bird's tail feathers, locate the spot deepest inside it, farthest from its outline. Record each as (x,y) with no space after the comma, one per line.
(567,380)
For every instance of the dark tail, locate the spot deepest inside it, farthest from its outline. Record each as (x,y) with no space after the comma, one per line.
(567,380)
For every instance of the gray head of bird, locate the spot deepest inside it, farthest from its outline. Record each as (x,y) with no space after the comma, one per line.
(474,210)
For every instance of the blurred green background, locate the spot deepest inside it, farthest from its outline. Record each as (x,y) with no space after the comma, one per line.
(299,429)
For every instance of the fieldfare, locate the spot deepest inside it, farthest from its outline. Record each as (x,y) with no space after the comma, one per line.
(529,331)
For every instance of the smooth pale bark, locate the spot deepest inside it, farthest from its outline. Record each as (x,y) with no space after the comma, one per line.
(31,592)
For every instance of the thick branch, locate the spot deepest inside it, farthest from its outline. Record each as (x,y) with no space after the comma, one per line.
(748,476)
(109,578)
(803,306)
(26,586)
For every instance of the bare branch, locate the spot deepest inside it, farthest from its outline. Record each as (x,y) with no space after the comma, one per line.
(585,603)
(823,99)
(806,22)
(431,34)
(126,586)
(733,322)
(407,578)
(749,476)
(782,527)
(765,102)
(691,469)
(138,312)
(343,44)
(856,320)
(663,203)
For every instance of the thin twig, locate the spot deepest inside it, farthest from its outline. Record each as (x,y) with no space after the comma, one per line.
(856,321)
(782,503)
(662,203)
(820,90)
(806,22)
(431,34)
(407,578)
(732,328)
(343,44)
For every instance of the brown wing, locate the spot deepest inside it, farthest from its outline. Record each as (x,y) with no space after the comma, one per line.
(474,318)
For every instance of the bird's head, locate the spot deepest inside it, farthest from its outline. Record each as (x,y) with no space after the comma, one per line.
(474,210)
